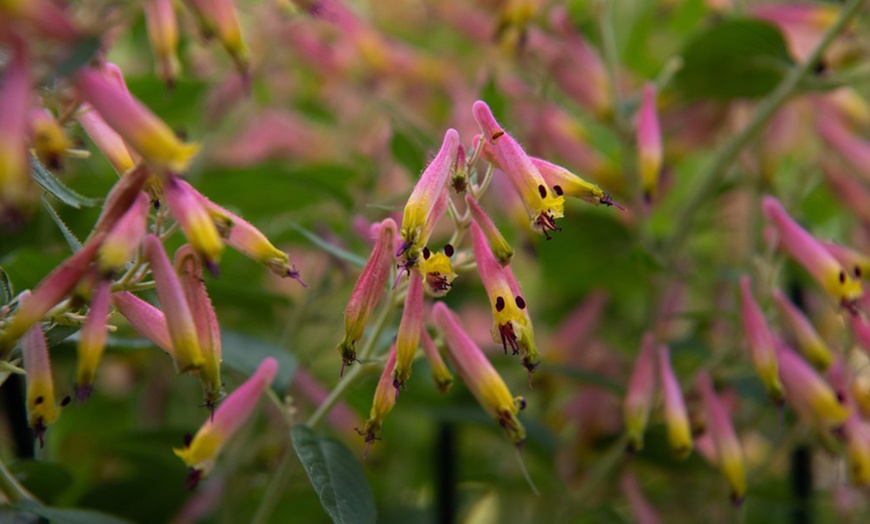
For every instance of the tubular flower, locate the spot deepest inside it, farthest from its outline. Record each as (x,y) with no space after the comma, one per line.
(107,140)
(848,190)
(511,326)
(195,220)
(189,269)
(851,260)
(440,374)
(47,137)
(242,236)
(408,337)
(808,339)
(531,357)
(478,374)
(808,393)
(649,143)
(565,182)
(459,173)
(49,292)
(853,149)
(124,239)
(384,400)
(139,127)
(369,287)
(163,35)
(436,271)
(41,407)
(219,18)
(146,319)
(542,205)
(14,103)
(729,453)
(760,341)
(43,15)
(501,250)
(233,413)
(810,253)
(92,340)
(676,417)
(640,392)
(120,199)
(425,198)
(179,319)
(857,434)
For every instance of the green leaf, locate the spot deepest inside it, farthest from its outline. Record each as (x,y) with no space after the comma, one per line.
(407,152)
(738,58)
(81,53)
(68,235)
(6,291)
(335,251)
(71,516)
(58,189)
(336,476)
(57,333)
(45,480)
(244,354)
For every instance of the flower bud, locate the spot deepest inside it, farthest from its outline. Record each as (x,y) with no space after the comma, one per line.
(14,104)
(194,219)
(649,143)
(163,35)
(408,337)
(760,342)
(729,453)
(640,392)
(501,250)
(808,393)
(440,374)
(146,319)
(92,339)
(124,239)
(676,417)
(809,341)
(385,398)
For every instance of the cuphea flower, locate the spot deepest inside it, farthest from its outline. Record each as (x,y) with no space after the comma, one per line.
(369,287)
(640,392)
(808,393)
(440,374)
(92,340)
(219,18)
(14,103)
(408,337)
(125,238)
(146,319)
(163,35)
(478,374)
(729,453)
(384,400)
(760,341)
(107,140)
(567,183)
(195,220)
(542,204)
(811,344)
(202,451)
(812,255)
(649,143)
(501,250)
(856,262)
(676,417)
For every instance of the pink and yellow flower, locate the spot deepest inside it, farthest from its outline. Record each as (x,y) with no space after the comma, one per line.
(408,337)
(92,341)
(640,392)
(649,143)
(162,26)
(676,416)
(811,344)
(729,452)
(760,341)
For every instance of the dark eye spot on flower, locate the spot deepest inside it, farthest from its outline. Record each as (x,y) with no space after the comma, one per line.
(38,400)
(857,271)
(156,204)
(66,400)
(499,304)
(521,403)
(842,277)
(426,253)
(497,135)
(558,190)
(188,438)
(448,250)
(520,302)
(542,190)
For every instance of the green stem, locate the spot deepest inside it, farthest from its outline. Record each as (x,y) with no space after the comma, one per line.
(723,158)
(12,489)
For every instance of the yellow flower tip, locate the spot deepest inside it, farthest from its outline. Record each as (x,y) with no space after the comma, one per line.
(437,272)
(508,420)
(550,208)
(443,381)
(348,353)
(177,157)
(401,374)
(200,452)
(189,359)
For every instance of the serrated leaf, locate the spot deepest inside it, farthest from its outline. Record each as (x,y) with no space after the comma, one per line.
(68,235)
(738,58)
(81,52)
(58,189)
(7,293)
(337,477)
(244,354)
(71,516)
(335,251)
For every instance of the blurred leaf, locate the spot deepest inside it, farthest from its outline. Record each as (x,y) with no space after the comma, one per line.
(407,152)
(68,235)
(46,480)
(7,292)
(71,516)
(585,377)
(81,53)
(57,333)
(336,476)
(738,58)
(178,107)
(244,354)
(333,250)
(58,189)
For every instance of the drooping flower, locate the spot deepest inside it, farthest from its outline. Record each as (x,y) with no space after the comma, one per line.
(120,199)
(440,374)
(729,453)
(14,104)
(45,16)
(565,182)
(146,319)
(852,260)
(408,337)
(511,326)
(42,409)
(107,140)
(189,269)
(384,400)
(47,137)
(139,127)
(478,374)
(811,344)
(542,204)
(501,250)
(437,271)
(194,219)
(219,18)
(368,289)
(92,340)
(641,509)
(676,416)
(179,320)
(124,239)
(649,143)
(640,392)
(162,26)
(425,198)
(202,451)
(812,255)
(760,341)
(808,393)
(242,236)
